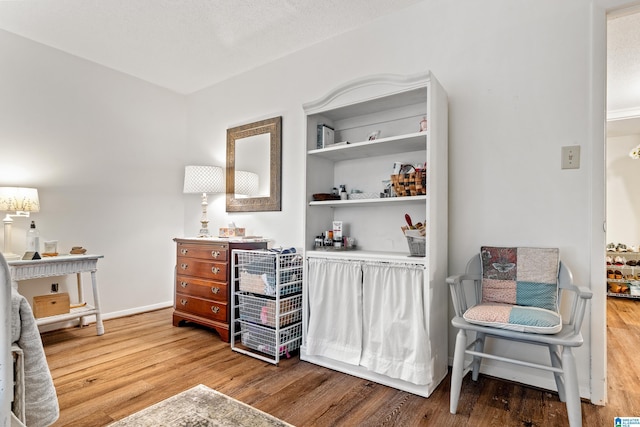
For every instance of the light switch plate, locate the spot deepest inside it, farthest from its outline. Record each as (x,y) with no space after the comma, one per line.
(571,157)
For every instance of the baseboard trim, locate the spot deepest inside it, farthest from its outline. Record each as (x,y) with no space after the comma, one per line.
(89,320)
(136,310)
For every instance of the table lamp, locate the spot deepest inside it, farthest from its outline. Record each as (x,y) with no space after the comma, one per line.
(203,179)
(21,201)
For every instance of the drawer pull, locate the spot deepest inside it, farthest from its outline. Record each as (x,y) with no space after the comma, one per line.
(215,270)
(215,254)
(184,301)
(215,309)
(184,251)
(215,290)
(184,284)
(184,266)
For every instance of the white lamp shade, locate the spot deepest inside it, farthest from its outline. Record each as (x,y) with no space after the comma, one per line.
(203,179)
(19,199)
(246,183)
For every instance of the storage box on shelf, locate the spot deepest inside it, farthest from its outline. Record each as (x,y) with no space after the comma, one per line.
(51,304)
(396,106)
(267,314)
(623,274)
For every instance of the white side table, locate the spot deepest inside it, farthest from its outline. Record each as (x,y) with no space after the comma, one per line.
(62,265)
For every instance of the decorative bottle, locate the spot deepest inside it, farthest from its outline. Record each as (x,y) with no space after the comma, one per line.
(343,192)
(33,238)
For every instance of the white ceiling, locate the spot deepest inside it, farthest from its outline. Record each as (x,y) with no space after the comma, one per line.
(186,45)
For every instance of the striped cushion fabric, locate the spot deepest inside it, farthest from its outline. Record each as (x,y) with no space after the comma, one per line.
(519,290)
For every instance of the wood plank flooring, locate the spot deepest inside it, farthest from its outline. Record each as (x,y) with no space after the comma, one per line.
(143,359)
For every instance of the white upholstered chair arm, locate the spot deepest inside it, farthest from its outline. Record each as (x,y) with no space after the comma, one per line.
(459,292)
(579,305)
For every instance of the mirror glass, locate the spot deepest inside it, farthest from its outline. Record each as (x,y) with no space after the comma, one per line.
(252,155)
(253,166)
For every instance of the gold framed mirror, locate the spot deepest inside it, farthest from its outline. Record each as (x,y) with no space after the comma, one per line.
(254,166)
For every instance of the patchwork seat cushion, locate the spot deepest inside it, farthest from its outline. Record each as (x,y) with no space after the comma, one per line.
(519,290)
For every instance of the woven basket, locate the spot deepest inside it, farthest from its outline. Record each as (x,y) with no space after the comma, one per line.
(410,184)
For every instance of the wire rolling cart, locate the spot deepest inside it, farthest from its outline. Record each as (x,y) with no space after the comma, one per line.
(266,317)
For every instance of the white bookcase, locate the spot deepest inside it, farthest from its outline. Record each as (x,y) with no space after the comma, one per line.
(393,105)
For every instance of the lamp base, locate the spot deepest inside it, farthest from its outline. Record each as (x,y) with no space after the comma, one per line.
(204,222)
(204,232)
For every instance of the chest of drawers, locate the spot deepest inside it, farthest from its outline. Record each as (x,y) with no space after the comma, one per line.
(202,282)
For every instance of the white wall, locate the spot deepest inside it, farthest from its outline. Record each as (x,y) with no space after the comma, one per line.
(623,194)
(518,78)
(105,152)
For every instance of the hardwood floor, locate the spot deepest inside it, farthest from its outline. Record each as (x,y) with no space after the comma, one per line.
(143,359)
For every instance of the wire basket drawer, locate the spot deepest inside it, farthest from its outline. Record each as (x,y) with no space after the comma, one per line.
(263,311)
(262,272)
(262,339)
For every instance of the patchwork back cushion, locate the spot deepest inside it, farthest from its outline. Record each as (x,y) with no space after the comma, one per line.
(519,290)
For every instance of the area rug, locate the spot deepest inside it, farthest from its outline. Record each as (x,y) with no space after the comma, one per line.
(200,406)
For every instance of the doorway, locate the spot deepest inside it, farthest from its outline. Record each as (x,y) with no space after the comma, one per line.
(623,152)
(622,165)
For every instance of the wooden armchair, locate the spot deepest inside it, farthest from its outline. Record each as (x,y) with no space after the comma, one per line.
(510,300)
